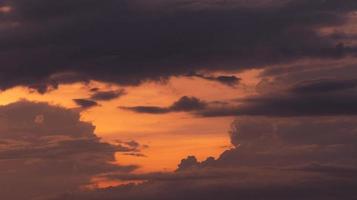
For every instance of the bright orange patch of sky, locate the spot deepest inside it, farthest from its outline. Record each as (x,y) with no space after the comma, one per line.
(170,137)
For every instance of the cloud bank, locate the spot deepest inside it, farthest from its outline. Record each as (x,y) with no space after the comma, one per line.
(294,158)
(47,150)
(46,43)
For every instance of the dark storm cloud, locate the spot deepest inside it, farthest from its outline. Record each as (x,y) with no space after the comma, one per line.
(184,104)
(46,150)
(125,42)
(85,103)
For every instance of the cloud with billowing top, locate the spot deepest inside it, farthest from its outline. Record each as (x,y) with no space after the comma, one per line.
(47,150)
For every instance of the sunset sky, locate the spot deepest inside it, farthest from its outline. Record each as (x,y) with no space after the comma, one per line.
(178,99)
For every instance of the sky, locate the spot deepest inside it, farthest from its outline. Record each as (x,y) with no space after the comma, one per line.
(178,99)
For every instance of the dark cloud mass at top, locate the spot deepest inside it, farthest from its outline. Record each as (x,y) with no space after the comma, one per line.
(45,43)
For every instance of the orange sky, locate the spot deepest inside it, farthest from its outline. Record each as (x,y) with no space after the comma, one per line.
(170,137)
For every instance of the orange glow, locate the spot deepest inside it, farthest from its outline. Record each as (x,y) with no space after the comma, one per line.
(170,137)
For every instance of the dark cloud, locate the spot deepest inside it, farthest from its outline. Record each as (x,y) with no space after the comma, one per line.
(293,141)
(308,98)
(188,163)
(231,81)
(148,109)
(132,148)
(320,86)
(135,154)
(107,95)
(184,104)
(85,103)
(227,80)
(288,106)
(332,75)
(321,97)
(47,43)
(47,150)
(187,104)
(98,95)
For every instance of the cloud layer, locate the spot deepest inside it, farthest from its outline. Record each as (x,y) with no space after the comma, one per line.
(45,43)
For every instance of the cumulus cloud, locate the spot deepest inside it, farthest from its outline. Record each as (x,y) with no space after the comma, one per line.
(45,44)
(47,150)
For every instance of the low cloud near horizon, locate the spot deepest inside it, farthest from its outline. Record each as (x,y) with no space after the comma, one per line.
(293,158)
